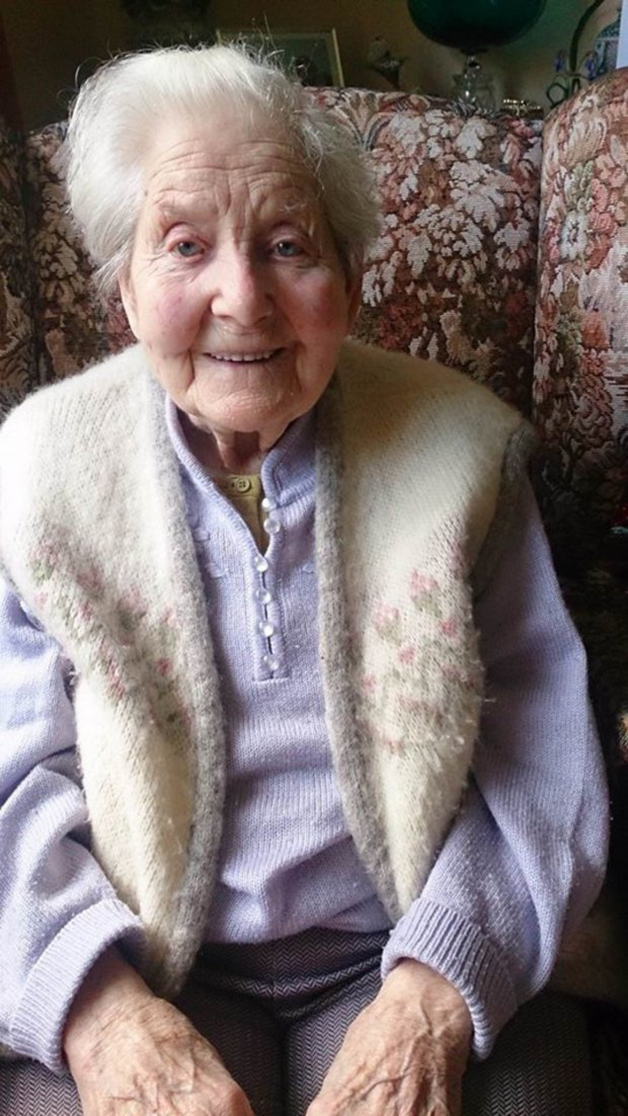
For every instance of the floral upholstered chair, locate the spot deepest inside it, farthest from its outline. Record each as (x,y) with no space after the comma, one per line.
(503,252)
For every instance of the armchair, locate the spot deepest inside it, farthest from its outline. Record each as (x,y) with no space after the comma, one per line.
(503,252)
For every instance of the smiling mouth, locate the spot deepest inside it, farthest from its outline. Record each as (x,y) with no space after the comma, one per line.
(245,358)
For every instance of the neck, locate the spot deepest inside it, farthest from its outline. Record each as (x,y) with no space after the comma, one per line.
(234,453)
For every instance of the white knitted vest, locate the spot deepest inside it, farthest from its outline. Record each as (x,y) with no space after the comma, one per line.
(414,464)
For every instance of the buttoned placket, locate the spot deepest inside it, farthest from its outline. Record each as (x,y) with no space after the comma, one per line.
(224,541)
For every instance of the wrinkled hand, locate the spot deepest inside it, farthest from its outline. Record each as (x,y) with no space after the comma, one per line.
(131,1053)
(405,1054)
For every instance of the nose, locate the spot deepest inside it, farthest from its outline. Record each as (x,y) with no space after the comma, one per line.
(240,289)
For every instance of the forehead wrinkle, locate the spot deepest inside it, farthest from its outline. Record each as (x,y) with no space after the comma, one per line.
(218,195)
(191,177)
(201,152)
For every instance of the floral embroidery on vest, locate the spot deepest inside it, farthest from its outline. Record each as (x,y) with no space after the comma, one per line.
(431,681)
(120,639)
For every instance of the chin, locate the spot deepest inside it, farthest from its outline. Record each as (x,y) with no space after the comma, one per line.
(249,419)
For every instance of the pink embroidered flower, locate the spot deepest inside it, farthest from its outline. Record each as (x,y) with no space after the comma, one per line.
(450,628)
(115,679)
(133,604)
(421,584)
(90,579)
(407,654)
(386,619)
(368,684)
(163,666)
(86,611)
(394,746)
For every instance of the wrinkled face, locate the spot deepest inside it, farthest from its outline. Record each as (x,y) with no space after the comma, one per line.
(234,287)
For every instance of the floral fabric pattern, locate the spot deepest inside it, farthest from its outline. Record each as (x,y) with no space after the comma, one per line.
(452,276)
(17,343)
(74,328)
(581,370)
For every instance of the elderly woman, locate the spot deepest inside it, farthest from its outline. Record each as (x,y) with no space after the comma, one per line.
(299,787)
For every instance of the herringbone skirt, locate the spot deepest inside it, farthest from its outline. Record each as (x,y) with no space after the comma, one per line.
(277,1013)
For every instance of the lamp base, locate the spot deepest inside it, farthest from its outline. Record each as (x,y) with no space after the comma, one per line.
(473,89)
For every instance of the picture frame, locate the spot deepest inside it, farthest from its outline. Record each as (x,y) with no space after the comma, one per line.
(312,55)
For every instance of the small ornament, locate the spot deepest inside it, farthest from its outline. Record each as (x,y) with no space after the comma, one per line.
(473,88)
(606,47)
(384,62)
(571,71)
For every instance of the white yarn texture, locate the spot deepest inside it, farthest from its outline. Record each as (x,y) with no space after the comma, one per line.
(414,467)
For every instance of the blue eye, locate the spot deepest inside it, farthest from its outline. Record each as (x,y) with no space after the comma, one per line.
(287,249)
(188,248)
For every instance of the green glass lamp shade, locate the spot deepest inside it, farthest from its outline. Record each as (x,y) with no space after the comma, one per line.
(472,25)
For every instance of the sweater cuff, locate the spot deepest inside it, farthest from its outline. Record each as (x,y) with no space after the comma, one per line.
(54,980)
(460,952)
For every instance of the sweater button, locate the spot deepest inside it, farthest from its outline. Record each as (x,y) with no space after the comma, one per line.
(240,484)
(272,526)
(271,661)
(263,596)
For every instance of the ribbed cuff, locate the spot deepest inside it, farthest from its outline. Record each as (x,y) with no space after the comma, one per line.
(461,953)
(53,982)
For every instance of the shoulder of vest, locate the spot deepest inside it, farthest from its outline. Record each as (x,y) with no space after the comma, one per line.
(372,372)
(388,394)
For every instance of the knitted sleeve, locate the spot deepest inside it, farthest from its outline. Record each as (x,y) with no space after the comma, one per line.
(525,857)
(57,910)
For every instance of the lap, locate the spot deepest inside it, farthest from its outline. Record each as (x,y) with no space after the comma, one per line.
(279,1045)
(246,1036)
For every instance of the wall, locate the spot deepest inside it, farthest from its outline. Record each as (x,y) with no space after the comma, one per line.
(49,39)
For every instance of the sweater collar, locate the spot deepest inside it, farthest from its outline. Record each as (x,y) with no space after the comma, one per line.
(288,468)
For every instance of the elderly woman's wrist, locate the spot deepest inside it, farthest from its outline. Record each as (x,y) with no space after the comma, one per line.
(433,994)
(112,990)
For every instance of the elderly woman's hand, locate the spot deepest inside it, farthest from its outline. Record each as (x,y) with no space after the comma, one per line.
(405,1054)
(131,1052)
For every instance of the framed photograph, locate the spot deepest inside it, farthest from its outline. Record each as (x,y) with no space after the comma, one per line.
(312,55)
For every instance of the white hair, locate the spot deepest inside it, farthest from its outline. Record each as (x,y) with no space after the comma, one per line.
(117,110)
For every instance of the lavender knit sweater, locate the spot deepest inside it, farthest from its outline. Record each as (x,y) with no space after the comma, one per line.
(497,902)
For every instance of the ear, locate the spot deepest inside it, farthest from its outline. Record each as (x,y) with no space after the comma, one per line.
(127,294)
